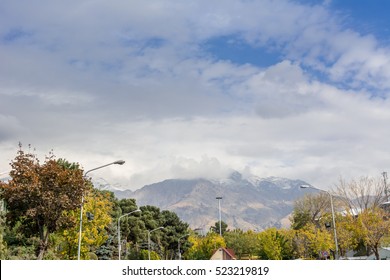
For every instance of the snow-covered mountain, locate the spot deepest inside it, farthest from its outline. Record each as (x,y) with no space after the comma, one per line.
(247,203)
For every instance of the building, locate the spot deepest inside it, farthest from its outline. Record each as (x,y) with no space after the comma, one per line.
(223,254)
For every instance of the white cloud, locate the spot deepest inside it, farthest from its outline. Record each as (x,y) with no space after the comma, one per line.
(99,81)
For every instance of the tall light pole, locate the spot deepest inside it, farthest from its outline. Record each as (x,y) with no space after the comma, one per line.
(149,232)
(119,230)
(384,174)
(120,162)
(333,218)
(178,244)
(220,217)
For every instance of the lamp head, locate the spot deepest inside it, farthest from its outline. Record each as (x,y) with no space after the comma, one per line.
(120,162)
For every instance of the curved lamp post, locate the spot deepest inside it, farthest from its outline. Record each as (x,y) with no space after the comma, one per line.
(119,230)
(178,244)
(333,218)
(149,232)
(120,162)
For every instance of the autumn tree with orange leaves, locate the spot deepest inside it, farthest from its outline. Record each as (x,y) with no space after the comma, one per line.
(39,194)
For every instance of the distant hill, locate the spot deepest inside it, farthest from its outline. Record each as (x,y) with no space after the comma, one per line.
(254,203)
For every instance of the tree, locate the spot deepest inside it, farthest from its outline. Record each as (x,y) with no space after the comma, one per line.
(310,241)
(243,243)
(224,227)
(165,241)
(40,194)
(361,194)
(95,228)
(310,209)
(373,226)
(367,223)
(3,246)
(132,227)
(274,245)
(347,237)
(174,229)
(203,247)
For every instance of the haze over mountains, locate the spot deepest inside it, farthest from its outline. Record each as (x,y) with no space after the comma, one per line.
(252,203)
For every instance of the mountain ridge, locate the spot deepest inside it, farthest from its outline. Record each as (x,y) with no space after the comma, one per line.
(248,203)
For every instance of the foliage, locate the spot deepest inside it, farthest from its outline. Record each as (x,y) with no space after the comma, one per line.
(174,229)
(347,237)
(203,247)
(224,227)
(365,223)
(40,194)
(361,194)
(19,247)
(132,226)
(244,244)
(372,225)
(143,255)
(310,241)
(309,209)
(135,227)
(275,245)
(94,232)
(107,249)
(3,244)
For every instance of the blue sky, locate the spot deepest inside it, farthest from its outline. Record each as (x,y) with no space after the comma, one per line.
(296,89)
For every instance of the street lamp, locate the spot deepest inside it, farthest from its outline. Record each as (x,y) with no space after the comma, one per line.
(178,244)
(119,230)
(333,218)
(149,232)
(220,218)
(120,162)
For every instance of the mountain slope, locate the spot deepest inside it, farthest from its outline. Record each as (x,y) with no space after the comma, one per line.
(254,203)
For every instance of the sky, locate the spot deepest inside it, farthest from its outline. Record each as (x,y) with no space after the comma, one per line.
(189,89)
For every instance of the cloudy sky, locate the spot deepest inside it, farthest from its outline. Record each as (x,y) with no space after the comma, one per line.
(185,89)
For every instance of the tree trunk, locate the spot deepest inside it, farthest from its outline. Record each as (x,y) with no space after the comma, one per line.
(43,245)
(376,252)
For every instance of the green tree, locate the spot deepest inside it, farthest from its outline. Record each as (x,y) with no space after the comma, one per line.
(40,194)
(132,226)
(174,229)
(3,245)
(244,244)
(165,241)
(133,230)
(224,227)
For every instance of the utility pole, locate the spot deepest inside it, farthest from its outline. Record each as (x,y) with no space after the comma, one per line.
(220,217)
(385,184)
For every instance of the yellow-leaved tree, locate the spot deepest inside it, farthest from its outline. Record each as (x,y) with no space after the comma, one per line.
(96,219)
(311,241)
(373,225)
(203,246)
(275,244)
